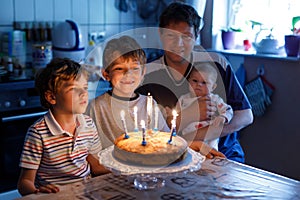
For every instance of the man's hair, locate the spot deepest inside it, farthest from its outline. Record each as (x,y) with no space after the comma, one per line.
(180,12)
(51,77)
(124,47)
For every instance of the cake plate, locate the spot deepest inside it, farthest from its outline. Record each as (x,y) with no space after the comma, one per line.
(146,177)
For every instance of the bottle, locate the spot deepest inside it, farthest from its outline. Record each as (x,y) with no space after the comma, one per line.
(10,65)
(43,32)
(29,40)
(36,32)
(17,68)
(49,31)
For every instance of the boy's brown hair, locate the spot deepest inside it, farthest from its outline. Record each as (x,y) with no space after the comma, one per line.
(125,48)
(51,77)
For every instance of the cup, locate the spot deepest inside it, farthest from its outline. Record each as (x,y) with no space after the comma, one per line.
(247,45)
(292,45)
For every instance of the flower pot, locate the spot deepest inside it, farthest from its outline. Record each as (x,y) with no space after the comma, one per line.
(292,45)
(228,39)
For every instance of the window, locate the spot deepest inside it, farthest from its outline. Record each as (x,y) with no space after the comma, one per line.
(271,14)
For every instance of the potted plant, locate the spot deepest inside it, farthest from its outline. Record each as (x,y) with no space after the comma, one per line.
(228,34)
(228,38)
(292,41)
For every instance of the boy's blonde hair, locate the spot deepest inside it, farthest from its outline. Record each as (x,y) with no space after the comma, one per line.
(125,48)
(51,77)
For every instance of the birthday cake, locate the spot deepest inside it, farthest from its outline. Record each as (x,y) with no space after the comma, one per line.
(158,149)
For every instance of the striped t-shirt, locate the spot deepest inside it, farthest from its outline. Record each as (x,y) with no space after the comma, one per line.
(58,156)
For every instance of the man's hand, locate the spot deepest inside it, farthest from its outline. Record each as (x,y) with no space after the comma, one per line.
(201,110)
(206,150)
(207,108)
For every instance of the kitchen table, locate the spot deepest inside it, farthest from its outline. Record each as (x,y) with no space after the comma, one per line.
(218,178)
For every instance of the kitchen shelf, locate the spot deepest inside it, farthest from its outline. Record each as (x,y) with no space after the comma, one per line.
(254,54)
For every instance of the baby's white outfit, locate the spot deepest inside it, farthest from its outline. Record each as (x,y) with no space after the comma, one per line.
(223,109)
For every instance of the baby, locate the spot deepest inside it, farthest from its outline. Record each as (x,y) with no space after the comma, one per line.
(202,80)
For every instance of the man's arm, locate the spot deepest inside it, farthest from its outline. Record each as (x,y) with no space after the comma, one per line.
(241,119)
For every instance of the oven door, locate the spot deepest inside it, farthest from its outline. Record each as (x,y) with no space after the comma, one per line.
(13,129)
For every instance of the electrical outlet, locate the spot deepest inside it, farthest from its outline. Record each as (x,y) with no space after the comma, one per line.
(97,36)
(92,36)
(101,35)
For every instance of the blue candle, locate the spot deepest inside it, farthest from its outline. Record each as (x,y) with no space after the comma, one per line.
(136,129)
(122,113)
(149,110)
(173,131)
(143,125)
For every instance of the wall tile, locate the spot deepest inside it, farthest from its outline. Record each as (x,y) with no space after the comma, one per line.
(91,15)
(126,17)
(24,10)
(112,14)
(84,32)
(112,30)
(44,10)
(62,10)
(7,12)
(96,28)
(80,11)
(96,11)
(126,28)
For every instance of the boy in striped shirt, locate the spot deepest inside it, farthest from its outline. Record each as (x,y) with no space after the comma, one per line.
(62,146)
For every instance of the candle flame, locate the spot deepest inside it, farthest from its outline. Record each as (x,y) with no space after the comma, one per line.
(122,113)
(143,125)
(135,109)
(174,113)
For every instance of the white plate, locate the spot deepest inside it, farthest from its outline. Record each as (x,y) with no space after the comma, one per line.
(192,162)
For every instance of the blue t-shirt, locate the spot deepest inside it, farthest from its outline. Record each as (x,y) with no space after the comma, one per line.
(166,91)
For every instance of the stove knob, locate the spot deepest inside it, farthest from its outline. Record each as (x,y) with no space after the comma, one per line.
(7,104)
(22,103)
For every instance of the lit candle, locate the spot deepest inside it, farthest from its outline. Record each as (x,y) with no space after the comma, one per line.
(122,113)
(174,113)
(149,109)
(173,131)
(173,122)
(156,109)
(136,129)
(143,125)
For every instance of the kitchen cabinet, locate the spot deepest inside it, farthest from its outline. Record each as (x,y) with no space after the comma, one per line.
(272,141)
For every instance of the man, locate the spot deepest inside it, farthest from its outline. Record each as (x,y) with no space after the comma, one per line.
(179,26)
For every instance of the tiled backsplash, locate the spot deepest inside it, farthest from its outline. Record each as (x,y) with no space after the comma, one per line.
(91,15)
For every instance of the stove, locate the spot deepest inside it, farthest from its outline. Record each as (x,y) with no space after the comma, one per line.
(18,95)
(19,108)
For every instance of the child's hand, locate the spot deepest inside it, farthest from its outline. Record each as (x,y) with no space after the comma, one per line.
(48,189)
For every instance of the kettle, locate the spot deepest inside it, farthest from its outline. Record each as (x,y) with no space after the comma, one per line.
(67,41)
(268,45)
